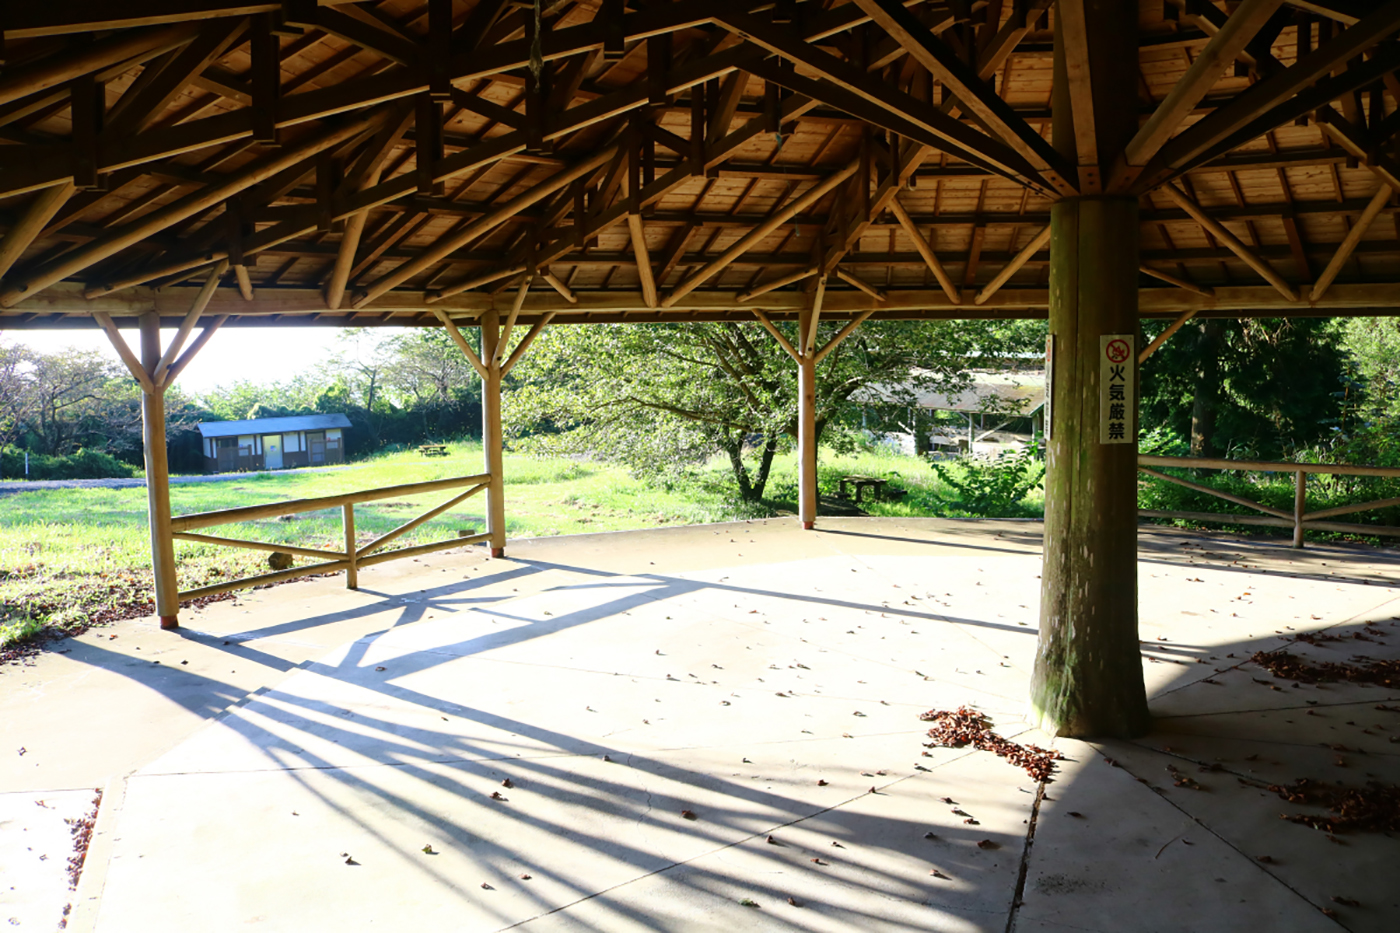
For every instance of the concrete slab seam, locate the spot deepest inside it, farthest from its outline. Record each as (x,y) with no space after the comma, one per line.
(738,842)
(1193,818)
(87,899)
(1025,859)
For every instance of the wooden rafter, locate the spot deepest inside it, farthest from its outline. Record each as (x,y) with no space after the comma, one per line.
(1232,242)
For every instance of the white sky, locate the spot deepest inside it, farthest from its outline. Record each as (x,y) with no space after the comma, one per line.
(234,354)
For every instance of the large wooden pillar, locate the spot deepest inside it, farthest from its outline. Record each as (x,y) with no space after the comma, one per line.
(158,479)
(492,438)
(1088,670)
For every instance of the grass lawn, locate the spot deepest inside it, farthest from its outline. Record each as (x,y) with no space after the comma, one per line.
(73,557)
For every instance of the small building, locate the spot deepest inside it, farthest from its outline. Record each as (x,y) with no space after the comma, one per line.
(273,443)
(999,411)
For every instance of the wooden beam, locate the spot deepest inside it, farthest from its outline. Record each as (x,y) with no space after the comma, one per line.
(925,250)
(1220,53)
(1012,267)
(1165,335)
(187,326)
(809,333)
(851,278)
(188,356)
(639,250)
(244,280)
(1203,290)
(461,342)
(764,288)
(36,217)
(1073,27)
(1361,145)
(133,365)
(842,334)
(140,106)
(676,248)
(372,162)
(525,342)
(447,245)
(48,73)
(558,285)
(1346,12)
(1232,242)
(972,93)
(783,342)
(1348,245)
(1270,102)
(259,170)
(514,316)
(747,242)
(899,113)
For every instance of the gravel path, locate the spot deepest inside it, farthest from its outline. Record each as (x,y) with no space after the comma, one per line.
(12,486)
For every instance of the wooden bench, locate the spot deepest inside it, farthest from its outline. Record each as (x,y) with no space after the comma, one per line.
(861,484)
(433,450)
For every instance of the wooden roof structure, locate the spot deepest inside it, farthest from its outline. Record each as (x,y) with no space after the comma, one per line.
(386,161)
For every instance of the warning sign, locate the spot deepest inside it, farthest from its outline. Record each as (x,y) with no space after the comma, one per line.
(1117,391)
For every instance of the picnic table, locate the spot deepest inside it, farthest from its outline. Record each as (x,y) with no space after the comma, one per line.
(433,450)
(861,484)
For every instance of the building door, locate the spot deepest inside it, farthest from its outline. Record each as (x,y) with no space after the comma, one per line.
(227,451)
(272,451)
(316,443)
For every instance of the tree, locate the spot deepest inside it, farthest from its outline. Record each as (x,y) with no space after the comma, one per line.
(16,361)
(426,366)
(661,397)
(1263,387)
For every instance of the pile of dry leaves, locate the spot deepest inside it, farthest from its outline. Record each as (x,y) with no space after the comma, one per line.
(1374,807)
(969,727)
(1291,667)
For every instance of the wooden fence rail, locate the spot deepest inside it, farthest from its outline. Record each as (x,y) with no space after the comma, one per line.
(352,557)
(1299,519)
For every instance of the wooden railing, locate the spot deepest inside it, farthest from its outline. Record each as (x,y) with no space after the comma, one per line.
(352,557)
(1299,519)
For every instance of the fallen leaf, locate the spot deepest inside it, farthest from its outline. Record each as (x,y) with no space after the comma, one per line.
(689,814)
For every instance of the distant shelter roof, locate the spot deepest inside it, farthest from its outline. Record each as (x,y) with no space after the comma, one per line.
(1007,393)
(273,425)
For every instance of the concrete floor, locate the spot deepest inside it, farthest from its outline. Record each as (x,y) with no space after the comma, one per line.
(766,680)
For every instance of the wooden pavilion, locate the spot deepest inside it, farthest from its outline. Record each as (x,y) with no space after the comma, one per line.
(810,164)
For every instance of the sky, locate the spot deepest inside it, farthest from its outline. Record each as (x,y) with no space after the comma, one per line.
(233,354)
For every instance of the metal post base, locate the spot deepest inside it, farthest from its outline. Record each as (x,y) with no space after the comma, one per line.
(169,622)
(498,552)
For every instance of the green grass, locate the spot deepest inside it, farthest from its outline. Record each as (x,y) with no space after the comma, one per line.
(72,557)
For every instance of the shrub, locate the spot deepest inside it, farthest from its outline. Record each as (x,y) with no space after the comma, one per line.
(993,488)
(85,464)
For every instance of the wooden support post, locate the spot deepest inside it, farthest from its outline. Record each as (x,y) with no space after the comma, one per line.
(806,430)
(491,436)
(1088,673)
(347,520)
(158,479)
(1300,503)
